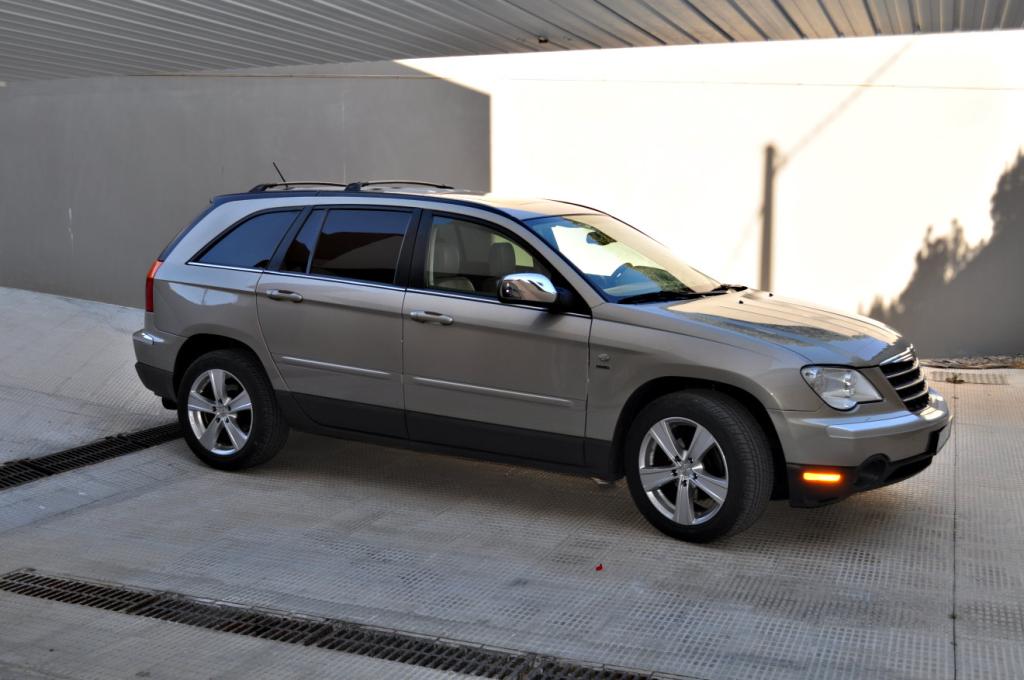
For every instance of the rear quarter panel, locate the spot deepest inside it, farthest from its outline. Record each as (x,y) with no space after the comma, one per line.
(194,299)
(191,299)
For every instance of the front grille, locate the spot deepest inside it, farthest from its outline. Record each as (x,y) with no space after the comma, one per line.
(904,374)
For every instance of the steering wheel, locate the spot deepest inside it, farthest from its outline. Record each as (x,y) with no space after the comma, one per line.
(620,271)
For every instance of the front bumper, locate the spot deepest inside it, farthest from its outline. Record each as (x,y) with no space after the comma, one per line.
(866,452)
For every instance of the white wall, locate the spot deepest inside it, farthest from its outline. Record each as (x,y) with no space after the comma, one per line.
(887,136)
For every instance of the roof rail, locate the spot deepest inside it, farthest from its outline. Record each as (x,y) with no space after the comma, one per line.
(270,185)
(346,186)
(358,186)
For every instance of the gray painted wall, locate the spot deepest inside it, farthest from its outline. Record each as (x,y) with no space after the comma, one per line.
(97,175)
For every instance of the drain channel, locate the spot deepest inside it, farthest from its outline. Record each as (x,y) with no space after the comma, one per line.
(333,634)
(17,472)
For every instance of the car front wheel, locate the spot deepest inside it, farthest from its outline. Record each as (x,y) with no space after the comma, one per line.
(698,465)
(228,412)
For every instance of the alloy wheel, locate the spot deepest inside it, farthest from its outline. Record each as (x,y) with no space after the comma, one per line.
(220,412)
(683,471)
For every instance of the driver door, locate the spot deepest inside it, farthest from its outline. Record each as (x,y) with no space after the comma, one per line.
(480,374)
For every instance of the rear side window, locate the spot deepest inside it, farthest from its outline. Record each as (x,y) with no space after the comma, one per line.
(360,244)
(251,244)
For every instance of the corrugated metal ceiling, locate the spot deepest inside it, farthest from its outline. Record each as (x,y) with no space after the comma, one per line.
(41,39)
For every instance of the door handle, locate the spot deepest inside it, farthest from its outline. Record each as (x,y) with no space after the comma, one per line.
(431,317)
(275,294)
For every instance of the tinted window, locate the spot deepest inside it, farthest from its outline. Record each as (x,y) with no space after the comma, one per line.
(301,249)
(360,244)
(252,243)
(470,258)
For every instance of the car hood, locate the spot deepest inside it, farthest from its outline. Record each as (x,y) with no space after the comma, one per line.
(819,335)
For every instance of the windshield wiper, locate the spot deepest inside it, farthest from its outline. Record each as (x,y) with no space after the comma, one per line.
(659,296)
(728,286)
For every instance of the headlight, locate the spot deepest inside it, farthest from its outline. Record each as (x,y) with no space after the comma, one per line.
(840,388)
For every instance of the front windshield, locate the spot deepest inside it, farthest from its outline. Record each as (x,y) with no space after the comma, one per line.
(618,260)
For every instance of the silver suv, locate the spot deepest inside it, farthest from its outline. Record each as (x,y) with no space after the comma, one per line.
(529,331)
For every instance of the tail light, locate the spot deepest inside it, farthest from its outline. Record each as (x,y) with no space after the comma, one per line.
(149,283)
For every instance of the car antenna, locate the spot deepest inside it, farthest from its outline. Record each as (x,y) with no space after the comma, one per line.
(279,174)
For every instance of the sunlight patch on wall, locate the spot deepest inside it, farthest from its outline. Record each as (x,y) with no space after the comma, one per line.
(671,139)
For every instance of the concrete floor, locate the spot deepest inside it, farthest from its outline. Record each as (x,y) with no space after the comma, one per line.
(506,556)
(66,376)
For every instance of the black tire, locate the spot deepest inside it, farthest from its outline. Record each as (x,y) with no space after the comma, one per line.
(268,430)
(741,442)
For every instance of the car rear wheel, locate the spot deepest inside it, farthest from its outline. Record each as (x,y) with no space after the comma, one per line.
(228,412)
(698,465)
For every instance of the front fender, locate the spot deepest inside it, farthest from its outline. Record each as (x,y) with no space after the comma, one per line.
(626,357)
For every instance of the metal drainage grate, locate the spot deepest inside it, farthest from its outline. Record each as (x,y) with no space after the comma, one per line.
(333,634)
(100,596)
(425,651)
(18,472)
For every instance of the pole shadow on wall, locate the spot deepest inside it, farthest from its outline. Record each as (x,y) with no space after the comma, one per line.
(964,300)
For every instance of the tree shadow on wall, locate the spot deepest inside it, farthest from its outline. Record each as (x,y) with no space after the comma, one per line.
(963,300)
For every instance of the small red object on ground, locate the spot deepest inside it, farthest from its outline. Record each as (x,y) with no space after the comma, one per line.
(599,567)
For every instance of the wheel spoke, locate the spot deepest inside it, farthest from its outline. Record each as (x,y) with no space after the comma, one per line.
(662,434)
(217,385)
(700,444)
(210,435)
(716,487)
(238,438)
(197,402)
(684,503)
(656,477)
(240,402)
(696,465)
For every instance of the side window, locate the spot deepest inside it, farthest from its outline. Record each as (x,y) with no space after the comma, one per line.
(470,258)
(360,244)
(300,251)
(252,243)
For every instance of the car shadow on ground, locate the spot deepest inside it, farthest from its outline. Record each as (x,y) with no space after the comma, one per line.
(440,483)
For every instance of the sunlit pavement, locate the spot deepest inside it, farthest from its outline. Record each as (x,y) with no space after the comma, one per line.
(492,554)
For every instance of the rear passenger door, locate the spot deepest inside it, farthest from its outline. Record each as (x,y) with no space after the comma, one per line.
(331,315)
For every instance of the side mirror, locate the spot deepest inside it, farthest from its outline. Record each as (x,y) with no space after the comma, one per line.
(527,287)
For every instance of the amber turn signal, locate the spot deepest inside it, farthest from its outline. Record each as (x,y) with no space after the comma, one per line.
(822,477)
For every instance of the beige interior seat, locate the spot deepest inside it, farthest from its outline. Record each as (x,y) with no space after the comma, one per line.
(446,261)
(501,262)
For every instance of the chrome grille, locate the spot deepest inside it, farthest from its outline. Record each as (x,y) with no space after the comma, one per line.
(904,374)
